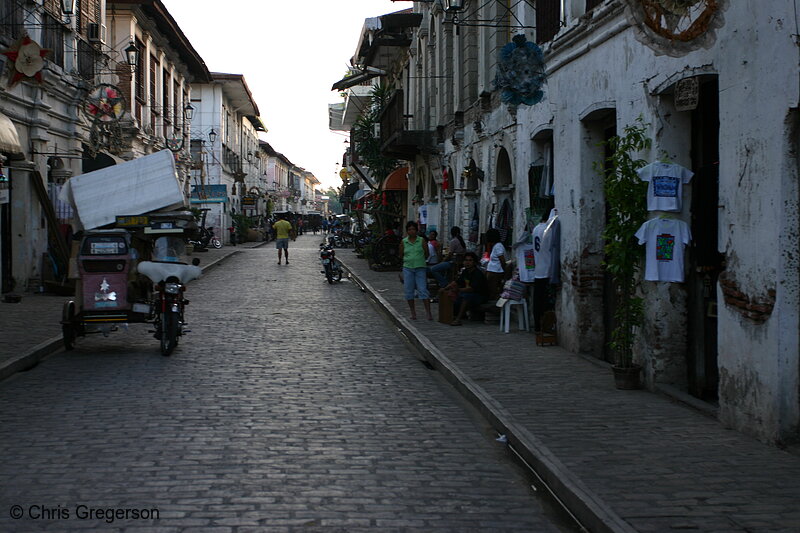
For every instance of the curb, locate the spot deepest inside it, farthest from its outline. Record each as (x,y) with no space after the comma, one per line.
(54,345)
(590,510)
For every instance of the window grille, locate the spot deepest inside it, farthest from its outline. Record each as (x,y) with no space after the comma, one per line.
(86,60)
(548,20)
(53,39)
(153,88)
(11,19)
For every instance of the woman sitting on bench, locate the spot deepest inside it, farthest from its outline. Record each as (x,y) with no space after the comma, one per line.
(455,253)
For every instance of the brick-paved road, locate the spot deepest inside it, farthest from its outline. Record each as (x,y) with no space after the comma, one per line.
(278,411)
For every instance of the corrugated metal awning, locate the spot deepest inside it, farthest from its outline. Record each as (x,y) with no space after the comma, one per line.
(9,139)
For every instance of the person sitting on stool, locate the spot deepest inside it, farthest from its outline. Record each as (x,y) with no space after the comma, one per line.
(469,288)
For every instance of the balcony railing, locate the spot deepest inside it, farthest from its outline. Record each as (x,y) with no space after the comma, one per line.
(397,140)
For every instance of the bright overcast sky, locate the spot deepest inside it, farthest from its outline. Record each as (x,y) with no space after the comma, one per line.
(290,53)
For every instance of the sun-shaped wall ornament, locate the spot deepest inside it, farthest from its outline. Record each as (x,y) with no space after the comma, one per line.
(175,142)
(676,27)
(105,103)
(26,60)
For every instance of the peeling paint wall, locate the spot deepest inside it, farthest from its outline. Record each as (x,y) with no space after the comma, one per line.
(597,68)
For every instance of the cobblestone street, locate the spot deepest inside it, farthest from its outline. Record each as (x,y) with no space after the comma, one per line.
(279,410)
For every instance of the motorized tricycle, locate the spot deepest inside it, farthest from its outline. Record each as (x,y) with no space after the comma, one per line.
(135,272)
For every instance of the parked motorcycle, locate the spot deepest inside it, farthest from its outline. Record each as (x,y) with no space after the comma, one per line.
(330,266)
(169,280)
(206,239)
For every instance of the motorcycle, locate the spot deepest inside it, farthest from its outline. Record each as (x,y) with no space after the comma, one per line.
(169,303)
(119,288)
(205,239)
(331,267)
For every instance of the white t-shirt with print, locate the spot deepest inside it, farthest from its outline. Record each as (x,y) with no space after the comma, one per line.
(665,185)
(541,251)
(494,258)
(526,262)
(665,239)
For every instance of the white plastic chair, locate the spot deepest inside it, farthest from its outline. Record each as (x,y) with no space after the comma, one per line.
(522,315)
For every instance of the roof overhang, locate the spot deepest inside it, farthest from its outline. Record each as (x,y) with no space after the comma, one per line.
(380,33)
(235,89)
(357,78)
(157,12)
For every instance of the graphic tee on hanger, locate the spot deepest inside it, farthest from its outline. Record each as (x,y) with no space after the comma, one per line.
(526,263)
(665,239)
(665,185)
(541,251)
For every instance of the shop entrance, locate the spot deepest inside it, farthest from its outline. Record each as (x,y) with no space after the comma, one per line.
(705,262)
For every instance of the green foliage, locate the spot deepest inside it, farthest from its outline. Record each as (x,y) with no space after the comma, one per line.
(334,204)
(242,223)
(367,145)
(626,198)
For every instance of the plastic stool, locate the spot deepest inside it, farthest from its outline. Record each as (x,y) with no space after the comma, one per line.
(522,317)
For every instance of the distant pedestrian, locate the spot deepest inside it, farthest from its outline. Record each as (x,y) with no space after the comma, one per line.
(282,228)
(414,252)
(325,225)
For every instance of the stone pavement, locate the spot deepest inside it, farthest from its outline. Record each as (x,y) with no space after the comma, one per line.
(31,329)
(274,415)
(620,460)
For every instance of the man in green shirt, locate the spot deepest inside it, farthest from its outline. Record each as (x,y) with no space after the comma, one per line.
(282,228)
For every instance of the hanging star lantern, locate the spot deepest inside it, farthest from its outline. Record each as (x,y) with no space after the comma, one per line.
(520,72)
(26,60)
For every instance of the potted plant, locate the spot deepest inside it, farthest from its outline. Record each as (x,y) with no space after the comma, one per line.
(626,200)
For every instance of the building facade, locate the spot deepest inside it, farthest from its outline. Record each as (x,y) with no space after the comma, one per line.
(226,149)
(729,333)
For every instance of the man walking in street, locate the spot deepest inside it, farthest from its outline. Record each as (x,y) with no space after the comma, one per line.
(282,228)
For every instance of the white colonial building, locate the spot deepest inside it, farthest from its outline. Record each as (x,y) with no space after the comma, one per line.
(717,85)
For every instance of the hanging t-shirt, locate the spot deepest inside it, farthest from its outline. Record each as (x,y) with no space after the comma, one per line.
(665,239)
(526,263)
(665,185)
(541,251)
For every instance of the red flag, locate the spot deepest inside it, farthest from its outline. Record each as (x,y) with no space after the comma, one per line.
(445,180)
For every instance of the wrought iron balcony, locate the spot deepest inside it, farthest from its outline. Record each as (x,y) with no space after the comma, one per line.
(397,140)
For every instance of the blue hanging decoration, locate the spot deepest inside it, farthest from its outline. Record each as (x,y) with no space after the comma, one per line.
(520,72)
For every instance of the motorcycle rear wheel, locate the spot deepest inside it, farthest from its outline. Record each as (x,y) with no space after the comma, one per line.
(216,243)
(169,333)
(329,273)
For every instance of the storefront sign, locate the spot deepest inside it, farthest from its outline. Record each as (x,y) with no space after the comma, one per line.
(202,194)
(687,94)
(249,201)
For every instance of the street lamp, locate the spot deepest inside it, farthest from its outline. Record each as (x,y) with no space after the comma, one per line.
(188,112)
(132,54)
(453,5)
(212,136)
(68,7)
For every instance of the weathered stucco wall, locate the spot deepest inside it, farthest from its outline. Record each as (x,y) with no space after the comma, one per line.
(599,72)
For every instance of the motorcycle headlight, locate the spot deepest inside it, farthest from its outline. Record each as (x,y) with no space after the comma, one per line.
(172,288)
